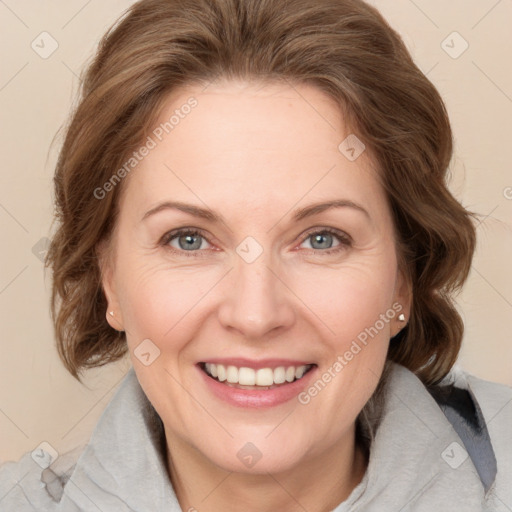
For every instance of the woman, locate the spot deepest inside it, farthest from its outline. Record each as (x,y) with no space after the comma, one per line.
(252,202)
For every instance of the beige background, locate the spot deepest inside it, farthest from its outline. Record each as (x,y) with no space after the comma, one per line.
(39,401)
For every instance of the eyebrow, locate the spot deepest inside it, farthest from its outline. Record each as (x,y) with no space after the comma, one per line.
(299,214)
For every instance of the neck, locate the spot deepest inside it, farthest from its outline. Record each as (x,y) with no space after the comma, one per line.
(318,484)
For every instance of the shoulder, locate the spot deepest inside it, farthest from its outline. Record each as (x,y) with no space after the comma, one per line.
(493,404)
(36,481)
(491,394)
(492,400)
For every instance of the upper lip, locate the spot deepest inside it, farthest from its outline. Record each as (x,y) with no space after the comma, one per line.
(240,362)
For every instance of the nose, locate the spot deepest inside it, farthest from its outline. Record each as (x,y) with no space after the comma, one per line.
(257,302)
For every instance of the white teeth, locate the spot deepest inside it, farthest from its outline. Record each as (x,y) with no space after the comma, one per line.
(232,374)
(250,377)
(299,372)
(279,375)
(265,377)
(221,372)
(246,376)
(290,374)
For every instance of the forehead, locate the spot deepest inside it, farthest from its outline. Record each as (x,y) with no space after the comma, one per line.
(261,144)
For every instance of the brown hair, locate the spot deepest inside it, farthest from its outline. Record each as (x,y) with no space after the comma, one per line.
(343,47)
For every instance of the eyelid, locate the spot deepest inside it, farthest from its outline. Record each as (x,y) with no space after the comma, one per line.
(344,239)
(326,229)
(175,233)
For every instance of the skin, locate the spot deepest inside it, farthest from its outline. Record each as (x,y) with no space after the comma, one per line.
(254,153)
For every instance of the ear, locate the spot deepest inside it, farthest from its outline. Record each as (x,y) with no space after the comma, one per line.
(105,256)
(402,301)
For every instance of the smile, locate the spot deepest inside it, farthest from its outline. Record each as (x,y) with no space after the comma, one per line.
(249,378)
(254,384)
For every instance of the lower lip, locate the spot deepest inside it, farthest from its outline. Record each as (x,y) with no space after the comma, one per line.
(256,398)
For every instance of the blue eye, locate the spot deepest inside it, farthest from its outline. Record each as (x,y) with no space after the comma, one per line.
(188,240)
(191,241)
(322,241)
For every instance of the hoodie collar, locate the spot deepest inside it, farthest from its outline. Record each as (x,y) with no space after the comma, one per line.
(122,467)
(416,460)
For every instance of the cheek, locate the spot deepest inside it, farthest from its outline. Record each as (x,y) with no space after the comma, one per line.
(156,298)
(351,298)
(355,303)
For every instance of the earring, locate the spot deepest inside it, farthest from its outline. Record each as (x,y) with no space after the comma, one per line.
(111,313)
(401,317)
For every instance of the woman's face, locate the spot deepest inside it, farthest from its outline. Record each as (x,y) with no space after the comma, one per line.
(267,280)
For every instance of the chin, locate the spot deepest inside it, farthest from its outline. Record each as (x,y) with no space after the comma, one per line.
(256,455)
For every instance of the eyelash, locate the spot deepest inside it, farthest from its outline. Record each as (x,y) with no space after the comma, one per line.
(344,239)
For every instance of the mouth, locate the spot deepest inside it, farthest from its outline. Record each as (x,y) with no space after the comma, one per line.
(265,378)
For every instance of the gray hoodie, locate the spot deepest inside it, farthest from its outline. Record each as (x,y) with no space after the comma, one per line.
(435,450)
